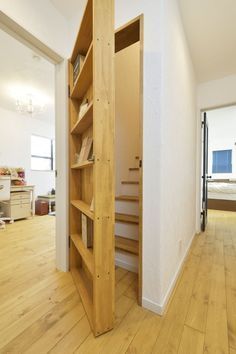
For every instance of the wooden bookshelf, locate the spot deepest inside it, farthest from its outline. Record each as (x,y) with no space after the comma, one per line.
(84,122)
(83,208)
(93,269)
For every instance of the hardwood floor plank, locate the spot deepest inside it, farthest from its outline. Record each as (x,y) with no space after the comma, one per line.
(192,341)
(73,339)
(173,322)
(145,338)
(216,337)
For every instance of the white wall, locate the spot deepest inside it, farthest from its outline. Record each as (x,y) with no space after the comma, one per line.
(15,146)
(222,136)
(178,149)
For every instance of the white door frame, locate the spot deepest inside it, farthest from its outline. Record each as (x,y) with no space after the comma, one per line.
(61,103)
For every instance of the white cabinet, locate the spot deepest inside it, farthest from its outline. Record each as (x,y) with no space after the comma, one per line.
(20,206)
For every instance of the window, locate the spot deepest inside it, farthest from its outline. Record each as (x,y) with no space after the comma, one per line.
(42,153)
(222,161)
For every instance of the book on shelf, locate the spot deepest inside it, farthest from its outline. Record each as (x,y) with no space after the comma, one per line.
(85,150)
(87,231)
(77,66)
(83,108)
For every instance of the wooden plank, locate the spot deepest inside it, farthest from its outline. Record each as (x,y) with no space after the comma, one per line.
(126,244)
(82,165)
(85,34)
(126,218)
(130,182)
(216,315)
(84,122)
(103,172)
(85,291)
(85,77)
(150,329)
(128,198)
(171,331)
(83,207)
(134,169)
(192,341)
(73,339)
(127,35)
(86,253)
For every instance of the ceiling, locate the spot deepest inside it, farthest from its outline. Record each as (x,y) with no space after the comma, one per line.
(68,8)
(210,27)
(23,72)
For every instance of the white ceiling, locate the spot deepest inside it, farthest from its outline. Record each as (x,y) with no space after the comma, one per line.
(68,8)
(20,73)
(210,26)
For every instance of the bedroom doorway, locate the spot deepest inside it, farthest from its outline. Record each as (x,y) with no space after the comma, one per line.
(218,160)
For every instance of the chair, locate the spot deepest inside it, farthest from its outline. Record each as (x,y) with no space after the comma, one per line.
(5,195)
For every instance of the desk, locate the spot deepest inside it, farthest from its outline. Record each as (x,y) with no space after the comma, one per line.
(50,198)
(21,205)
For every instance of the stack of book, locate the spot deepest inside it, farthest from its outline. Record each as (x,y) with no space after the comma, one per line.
(77,66)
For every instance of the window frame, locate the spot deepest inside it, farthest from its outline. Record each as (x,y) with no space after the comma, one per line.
(51,158)
(229,167)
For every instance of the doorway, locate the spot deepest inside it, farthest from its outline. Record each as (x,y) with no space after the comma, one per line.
(128,147)
(218,160)
(23,36)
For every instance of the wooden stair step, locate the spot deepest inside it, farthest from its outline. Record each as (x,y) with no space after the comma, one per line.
(127,218)
(128,198)
(134,169)
(130,182)
(126,244)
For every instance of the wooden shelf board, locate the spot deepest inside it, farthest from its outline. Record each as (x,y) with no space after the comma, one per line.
(127,245)
(81,165)
(85,33)
(83,207)
(86,253)
(129,182)
(134,169)
(84,122)
(126,218)
(85,78)
(128,198)
(84,290)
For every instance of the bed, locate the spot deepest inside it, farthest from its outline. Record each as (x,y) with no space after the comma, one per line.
(222,195)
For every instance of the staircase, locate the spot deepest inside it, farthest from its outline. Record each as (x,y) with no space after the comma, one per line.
(127,220)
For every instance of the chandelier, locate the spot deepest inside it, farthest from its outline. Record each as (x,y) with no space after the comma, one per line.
(29,105)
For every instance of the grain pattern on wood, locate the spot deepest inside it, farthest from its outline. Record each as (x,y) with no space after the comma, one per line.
(126,218)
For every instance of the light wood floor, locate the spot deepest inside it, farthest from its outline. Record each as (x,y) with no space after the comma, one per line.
(41,312)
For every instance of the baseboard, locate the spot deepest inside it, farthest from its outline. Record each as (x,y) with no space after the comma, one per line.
(152,306)
(126,265)
(161,308)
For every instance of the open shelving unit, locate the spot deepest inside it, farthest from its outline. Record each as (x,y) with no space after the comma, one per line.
(93,180)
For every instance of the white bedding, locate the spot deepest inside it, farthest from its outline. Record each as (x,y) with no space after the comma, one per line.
(226,191)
